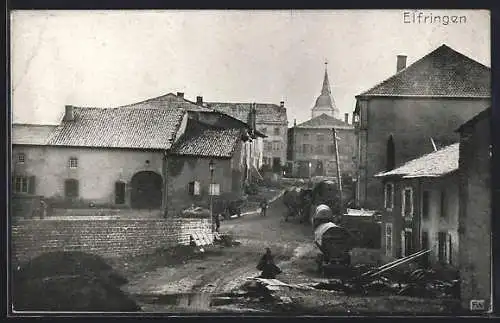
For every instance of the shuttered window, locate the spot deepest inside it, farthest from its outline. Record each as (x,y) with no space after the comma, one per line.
(71,189)
(119,193)
(389,196)
(388,239)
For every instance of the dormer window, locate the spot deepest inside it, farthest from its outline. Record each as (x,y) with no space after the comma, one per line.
(21,157)
(73,162)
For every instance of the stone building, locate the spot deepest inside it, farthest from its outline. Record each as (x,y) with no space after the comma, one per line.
(414,111)
(475,219)
(143,156)
(271,120)
(420,208)
(311,149)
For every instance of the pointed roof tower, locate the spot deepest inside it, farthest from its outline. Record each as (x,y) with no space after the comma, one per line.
(325,103)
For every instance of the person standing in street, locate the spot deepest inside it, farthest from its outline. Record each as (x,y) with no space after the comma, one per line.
(263,207)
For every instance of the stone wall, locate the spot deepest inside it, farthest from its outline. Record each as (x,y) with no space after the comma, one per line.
(103,236)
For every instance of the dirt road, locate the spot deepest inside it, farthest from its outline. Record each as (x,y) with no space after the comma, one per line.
(228,268)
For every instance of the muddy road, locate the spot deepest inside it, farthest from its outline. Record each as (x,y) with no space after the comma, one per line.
(226,268)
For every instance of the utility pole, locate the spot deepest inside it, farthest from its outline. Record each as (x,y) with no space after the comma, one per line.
(337,162)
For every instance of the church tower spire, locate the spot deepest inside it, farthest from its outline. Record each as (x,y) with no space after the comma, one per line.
(325,90)
(325,103)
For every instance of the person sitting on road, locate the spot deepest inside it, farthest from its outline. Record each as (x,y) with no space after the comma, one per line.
(267,266)
(263,207)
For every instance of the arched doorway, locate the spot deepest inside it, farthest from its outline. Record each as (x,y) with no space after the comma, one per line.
(146,190)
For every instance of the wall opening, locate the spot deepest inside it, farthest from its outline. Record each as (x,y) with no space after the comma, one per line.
(119,193)
(391,154)
(146,190)
(71,188)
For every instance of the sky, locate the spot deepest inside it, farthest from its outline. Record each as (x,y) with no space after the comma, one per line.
(113,58)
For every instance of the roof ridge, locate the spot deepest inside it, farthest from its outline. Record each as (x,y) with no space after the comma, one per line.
(249,103)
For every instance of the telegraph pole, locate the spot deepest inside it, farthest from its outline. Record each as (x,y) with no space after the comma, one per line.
(337,161)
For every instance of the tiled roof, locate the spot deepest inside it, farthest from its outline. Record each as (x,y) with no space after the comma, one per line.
(434,164)
(169,100)
(31,134)
(205,141)
(119,128)
(323,121)
(266,113)
(443,72)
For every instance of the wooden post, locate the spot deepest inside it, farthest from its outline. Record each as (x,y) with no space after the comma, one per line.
(337,161)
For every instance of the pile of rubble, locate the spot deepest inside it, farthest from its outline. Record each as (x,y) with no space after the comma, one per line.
(424,283)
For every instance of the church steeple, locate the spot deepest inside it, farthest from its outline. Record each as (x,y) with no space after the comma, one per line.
(325,103)
(325,90)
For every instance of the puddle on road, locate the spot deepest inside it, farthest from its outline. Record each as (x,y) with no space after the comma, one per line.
(191,301)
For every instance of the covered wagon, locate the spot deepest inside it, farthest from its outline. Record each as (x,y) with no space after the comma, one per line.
(335,242)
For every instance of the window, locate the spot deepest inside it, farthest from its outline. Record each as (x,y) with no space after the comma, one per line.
(407,209)
(425,204)
(444,247)
(268,146)
(444,209)
(276,145)
(71,188)
(331,149)
(388,239)
(389,196)
(21,157)
(319,149)
(406,242)
(24,184)
(304,148)
(73,162)
(276,131)
(391,154)
(119,193)
(306,136)
(320,137)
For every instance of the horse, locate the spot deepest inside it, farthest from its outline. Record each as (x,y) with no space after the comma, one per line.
(297,200)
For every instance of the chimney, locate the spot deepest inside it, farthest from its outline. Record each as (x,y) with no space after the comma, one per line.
(199,100)
(69,114)
(282,104)
(294,122)
(401,63)
(180,94)
(346,117)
